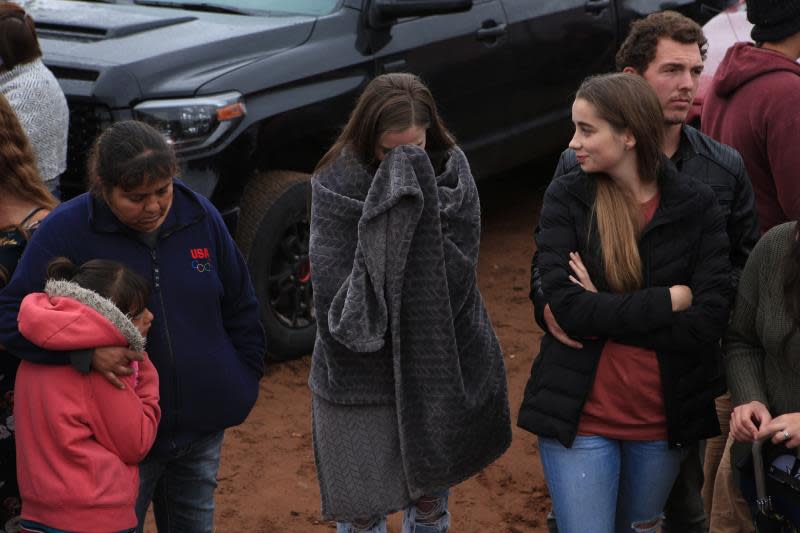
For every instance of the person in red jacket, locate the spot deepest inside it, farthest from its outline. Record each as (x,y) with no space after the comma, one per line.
(752,105)
(79,437)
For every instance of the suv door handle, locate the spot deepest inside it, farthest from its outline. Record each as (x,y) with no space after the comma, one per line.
(596,6)
(491,33)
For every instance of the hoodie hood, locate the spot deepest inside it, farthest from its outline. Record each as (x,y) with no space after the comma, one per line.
(744,62)
(67,316)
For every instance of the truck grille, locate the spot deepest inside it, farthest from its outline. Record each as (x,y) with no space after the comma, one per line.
(86,121)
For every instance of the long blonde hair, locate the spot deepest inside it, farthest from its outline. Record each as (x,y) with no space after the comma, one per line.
(625,101)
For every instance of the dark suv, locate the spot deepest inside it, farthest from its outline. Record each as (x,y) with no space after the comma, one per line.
(251,92)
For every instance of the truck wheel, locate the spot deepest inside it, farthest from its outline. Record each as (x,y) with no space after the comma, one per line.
(273,235)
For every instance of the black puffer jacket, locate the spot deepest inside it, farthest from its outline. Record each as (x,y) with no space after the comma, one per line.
(685,243)
(715,164)
(719,166)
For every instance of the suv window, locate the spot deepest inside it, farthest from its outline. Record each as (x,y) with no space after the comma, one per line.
(279,7)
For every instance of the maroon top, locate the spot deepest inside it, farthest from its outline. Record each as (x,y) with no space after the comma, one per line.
(626,401)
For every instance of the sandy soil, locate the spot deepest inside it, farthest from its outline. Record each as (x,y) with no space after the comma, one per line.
(267,478)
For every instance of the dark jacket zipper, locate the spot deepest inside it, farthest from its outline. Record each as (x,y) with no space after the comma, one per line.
(157,287)
(660,357)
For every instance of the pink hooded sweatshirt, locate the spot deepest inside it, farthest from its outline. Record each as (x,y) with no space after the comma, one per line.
(79,438)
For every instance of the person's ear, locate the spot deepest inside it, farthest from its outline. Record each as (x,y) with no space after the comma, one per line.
(631,70)
(628,140)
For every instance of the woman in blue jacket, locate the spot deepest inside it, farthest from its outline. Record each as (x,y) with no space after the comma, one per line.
(206,341)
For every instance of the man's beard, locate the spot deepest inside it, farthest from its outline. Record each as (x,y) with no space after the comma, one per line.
(672,121)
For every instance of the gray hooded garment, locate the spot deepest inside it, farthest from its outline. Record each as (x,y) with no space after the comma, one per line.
(401,322)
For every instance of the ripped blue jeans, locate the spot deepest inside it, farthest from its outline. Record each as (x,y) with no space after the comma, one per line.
(428,515)
(603,485)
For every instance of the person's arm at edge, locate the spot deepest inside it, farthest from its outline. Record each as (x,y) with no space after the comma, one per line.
(125,421)
(240,309)
(565,163)
(743,352)
(742,223)
(783,115)
(28,277)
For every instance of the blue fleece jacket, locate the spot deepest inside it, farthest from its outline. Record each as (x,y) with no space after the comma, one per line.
(206,341)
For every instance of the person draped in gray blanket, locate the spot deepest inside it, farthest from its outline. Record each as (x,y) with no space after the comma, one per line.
(408,381)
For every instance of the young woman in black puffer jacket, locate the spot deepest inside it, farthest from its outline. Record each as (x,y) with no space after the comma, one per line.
(634,262)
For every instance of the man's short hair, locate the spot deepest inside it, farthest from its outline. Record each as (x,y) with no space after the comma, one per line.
(639,48)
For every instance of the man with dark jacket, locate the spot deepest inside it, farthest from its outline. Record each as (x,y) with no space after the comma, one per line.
(667,49)
(752,105)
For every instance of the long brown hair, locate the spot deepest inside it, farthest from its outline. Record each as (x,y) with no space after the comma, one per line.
(18,173)
(626,102)
(390,102)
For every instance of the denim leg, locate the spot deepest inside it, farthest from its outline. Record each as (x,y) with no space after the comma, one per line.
(649,469)
(432,518)
(183,501)
(150,471)
(374,526)
(684,511)
(583,482)
(552,525)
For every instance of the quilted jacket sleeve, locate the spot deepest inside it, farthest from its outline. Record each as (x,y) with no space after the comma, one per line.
(704,322)
(566,162)
(581,313)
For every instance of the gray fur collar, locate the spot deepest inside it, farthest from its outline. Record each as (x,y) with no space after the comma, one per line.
(104,306)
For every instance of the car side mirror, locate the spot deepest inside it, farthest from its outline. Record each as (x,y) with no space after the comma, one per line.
(383,13)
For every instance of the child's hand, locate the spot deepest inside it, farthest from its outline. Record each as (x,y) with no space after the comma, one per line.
(113,361)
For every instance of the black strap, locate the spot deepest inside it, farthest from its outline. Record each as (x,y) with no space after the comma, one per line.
(29,216)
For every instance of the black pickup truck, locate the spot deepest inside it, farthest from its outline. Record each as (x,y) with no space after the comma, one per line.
(251,93)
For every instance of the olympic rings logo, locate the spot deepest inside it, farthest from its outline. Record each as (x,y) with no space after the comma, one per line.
(201,266)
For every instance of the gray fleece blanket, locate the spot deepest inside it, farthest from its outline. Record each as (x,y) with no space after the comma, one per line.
(400,318)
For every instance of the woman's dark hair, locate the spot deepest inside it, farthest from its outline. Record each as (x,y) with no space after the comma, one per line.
(128,290)
(391,102)
(129,154)
(18,42)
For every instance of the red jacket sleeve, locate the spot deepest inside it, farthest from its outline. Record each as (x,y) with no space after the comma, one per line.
(783,118)
(125,421)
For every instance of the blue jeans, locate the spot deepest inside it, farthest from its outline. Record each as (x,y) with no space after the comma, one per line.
(604,485)
(181,485)
(432,518)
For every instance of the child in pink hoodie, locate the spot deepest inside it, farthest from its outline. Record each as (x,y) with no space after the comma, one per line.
(79,438)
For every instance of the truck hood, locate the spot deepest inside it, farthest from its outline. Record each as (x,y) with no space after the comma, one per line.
(153,52)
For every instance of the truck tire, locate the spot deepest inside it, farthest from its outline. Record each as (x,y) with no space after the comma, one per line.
(273,235)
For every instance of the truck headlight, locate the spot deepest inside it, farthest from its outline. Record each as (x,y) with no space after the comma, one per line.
(192,123)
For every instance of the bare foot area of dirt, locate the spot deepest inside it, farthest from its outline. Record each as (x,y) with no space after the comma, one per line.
(267,479)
